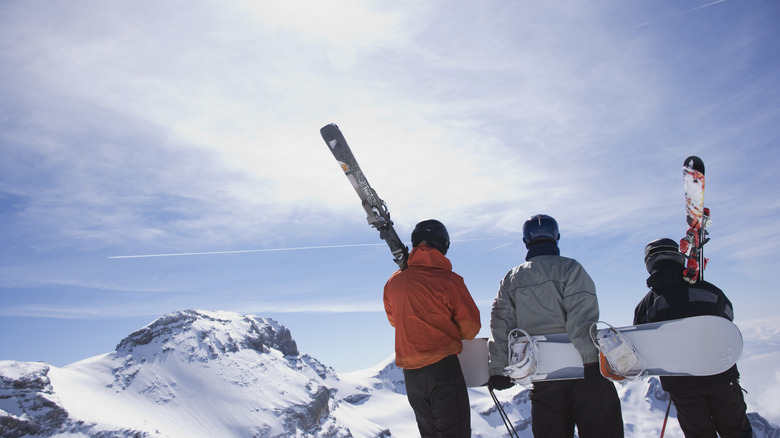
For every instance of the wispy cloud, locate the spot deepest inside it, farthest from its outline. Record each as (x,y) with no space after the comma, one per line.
(687,11)
(148,136)
(226,94)
(158,131)
(302,248)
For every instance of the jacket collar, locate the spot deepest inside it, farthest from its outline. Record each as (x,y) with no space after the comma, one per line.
(542,248)
(665,273)
(425,256)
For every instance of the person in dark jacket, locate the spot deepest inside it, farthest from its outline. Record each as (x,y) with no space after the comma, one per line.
(705,404)
(432,310)
(552,294)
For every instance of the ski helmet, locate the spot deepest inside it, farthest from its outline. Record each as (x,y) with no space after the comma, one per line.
(433,233)
(540,228)
(662,249)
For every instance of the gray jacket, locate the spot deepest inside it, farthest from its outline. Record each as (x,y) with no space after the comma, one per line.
(547,294)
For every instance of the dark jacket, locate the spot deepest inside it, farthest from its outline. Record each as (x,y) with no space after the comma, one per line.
(671,297)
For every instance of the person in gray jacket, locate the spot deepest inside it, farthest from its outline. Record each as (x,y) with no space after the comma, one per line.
(553,294)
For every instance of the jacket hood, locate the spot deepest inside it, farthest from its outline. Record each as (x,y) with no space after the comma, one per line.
(426,256)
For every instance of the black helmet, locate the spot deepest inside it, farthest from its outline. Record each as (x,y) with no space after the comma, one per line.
(433,233)
(540,228)
(662,249)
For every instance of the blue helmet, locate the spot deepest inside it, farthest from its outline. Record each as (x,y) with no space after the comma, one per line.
(540,228)
(433,233)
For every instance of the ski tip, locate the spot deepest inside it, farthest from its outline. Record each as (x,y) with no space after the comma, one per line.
(695,163)
(329,131)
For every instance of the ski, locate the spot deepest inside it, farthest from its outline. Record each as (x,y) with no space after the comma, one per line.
(376,210)
(698,219)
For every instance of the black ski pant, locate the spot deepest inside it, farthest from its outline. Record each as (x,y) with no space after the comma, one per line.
(591,403)
(713,409)
(440,400)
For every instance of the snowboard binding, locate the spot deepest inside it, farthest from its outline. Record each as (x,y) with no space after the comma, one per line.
(618,360)
(691,247)
(523,357)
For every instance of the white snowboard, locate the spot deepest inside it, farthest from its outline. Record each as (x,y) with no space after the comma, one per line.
(695,346)
(474,362)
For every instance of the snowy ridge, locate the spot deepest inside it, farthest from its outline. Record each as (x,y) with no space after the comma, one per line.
(188,374)
(196,373)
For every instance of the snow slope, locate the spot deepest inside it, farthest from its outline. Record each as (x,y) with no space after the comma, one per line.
(188,374)
(759,366)
(219,374)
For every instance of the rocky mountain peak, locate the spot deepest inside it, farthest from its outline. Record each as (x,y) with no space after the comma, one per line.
(207,335)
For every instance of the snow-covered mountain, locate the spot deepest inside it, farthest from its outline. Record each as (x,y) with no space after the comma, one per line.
(220,374)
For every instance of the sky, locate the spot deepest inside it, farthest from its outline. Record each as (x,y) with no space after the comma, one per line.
(177,127)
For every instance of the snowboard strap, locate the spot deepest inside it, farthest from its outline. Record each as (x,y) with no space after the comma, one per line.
(522,357)
(618,360)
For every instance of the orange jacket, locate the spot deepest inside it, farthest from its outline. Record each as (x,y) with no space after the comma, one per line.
(430,308)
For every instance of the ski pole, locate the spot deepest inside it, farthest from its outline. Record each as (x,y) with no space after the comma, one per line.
(502,413)
(666,417)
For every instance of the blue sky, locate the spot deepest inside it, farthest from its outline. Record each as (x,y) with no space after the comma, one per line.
(171,128)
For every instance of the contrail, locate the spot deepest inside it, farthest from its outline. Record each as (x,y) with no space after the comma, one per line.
(678,14)
(502,246)
(299,248)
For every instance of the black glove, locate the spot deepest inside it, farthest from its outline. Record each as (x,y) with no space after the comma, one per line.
(592,371)
(500,382)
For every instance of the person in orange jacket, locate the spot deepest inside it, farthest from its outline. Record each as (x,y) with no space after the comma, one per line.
(432,310)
